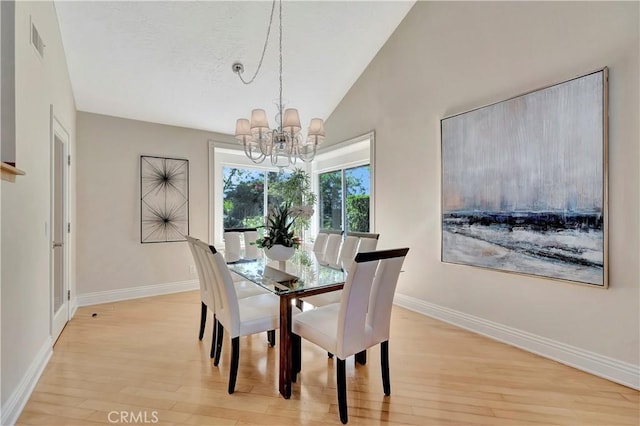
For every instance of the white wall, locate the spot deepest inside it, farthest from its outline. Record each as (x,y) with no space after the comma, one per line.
(448,57)
(110,255)
(26,204)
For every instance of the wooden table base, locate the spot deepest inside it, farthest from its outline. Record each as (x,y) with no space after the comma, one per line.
(285,347)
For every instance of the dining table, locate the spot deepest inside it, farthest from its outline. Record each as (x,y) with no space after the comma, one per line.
(304,274)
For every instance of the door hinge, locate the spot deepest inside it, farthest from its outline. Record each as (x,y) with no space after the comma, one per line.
(68,227)
(68,294)
(68,160)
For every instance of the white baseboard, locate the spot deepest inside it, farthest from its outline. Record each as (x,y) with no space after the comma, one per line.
(136,292)
(599,365)
(73,307)
(18,399)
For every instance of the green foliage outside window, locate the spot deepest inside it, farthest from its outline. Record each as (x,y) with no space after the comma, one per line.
(243,200)
(331,200)
(356,202)
(358,213)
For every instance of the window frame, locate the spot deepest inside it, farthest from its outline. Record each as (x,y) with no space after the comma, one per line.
(265,188)
(355,154)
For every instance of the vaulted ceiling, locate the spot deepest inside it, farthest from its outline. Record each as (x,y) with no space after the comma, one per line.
(170,62)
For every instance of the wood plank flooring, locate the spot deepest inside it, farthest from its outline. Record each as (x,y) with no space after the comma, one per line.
(142,359)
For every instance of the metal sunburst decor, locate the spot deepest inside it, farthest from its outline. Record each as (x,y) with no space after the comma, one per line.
(164,199)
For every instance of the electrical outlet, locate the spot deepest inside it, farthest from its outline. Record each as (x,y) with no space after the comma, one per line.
(192,269)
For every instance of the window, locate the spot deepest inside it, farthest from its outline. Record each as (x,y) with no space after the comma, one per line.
(243,197)
(330,200)
(352,208)
(357,202)
(343,177)
(246,192)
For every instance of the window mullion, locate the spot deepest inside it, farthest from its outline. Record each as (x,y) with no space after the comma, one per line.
(344,202)
(265,194)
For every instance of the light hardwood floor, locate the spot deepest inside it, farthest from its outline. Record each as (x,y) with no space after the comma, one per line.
(143,357)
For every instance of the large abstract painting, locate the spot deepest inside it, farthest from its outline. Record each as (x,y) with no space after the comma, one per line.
(164,199)
(524,183)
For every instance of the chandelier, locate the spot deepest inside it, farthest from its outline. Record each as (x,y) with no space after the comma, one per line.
(285,143)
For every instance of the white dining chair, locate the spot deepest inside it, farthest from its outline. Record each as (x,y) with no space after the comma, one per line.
(233,250)
(352,244)
(361,319)
(348,252)
(206,297)
(239,316)
(250,246)
(368,241)
(320,243)
(331,251)
(243,289)
(231,246)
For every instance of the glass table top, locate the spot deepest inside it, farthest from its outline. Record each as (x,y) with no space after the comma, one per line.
(300,273)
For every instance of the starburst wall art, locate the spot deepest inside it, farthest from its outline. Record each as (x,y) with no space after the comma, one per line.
(164,199)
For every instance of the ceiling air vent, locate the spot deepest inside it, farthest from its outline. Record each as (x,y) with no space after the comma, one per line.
(36,40)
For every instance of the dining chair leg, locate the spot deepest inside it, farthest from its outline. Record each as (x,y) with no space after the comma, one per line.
(203,319)
(271,337)
(361,357)
(235,356)
(213,336)
(342,390)
(384,363)
(219,339)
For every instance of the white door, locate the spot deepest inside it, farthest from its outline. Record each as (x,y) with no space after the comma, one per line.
(59,231)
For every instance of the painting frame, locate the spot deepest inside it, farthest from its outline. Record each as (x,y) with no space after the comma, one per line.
(164,199)
(524,183)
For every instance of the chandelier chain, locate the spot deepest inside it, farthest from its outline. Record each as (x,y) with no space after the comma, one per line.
(264,48)
(280,104)
(282,146)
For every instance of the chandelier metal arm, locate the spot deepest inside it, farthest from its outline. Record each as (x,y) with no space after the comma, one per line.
(239,69)
(255,156)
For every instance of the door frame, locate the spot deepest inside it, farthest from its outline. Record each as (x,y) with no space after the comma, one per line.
(58,130)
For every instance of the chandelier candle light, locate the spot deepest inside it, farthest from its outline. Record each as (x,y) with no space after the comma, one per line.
(284,144)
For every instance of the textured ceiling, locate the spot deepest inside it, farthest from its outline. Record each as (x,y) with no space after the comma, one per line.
(170,62)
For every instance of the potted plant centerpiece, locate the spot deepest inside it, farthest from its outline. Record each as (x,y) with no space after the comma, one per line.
(279,242)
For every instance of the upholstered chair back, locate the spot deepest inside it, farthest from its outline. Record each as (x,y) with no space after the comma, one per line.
(227,309)
(348,251)
(321,243)
(250,247)
(368,243)
(206,295)
(381,298)
(332,250)
(351,336)
(232,246)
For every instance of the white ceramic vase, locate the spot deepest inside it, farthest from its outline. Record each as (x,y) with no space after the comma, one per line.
(279,252)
